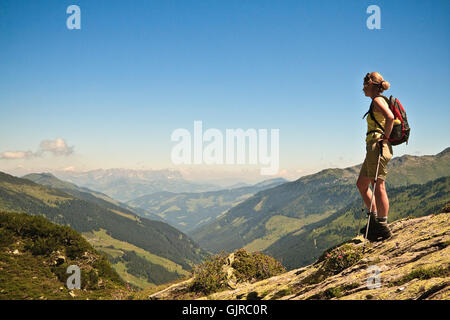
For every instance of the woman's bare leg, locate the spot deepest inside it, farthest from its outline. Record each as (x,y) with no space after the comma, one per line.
(366,194)
(381,199)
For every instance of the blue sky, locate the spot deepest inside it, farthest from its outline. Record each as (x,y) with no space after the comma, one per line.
(137,70)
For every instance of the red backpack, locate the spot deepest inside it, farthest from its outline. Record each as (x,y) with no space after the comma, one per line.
(400,130)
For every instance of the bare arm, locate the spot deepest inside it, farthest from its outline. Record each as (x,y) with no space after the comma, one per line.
(382,106)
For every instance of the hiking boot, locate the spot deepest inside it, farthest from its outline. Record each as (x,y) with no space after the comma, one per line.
(380,232)
(373,221)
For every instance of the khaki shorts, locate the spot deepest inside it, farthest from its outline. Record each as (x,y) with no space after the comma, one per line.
(369,166)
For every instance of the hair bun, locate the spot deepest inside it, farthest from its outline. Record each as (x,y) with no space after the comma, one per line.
(386,85)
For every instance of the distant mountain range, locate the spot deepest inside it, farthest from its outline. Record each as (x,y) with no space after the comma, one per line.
(188,210)
(127,184)
(261,221)
(135,244)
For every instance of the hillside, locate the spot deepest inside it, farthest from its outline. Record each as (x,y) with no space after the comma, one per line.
(413,264)
(35,255)
(260,221)
(188,210)
(158,247)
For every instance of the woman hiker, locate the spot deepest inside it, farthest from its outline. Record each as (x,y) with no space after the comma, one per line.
(381,115)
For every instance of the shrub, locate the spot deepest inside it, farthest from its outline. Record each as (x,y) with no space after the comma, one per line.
(341,258)
(209,277)
(89,280)
(61,272)
(77,249)
(6,237)
(255,266)
(42,246)
(335,262)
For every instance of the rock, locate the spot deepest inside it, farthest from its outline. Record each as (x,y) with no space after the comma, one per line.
(229,271)
(60,260)
(57,258)
(16,252)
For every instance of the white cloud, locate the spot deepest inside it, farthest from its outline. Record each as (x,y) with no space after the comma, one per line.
(56,147)
(13,155)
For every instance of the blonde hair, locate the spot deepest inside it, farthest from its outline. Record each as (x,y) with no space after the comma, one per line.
(376,79)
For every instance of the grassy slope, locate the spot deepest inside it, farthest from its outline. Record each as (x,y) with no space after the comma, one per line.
(154,237)
(28,245)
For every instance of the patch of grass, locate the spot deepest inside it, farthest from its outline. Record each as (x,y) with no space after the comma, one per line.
(422,274)
(351,286)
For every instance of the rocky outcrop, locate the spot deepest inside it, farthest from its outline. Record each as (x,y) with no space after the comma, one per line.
(413,264)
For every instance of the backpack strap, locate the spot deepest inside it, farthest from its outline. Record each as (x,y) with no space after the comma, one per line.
(370,112)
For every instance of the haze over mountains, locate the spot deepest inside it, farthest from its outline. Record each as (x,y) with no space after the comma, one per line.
(128,184)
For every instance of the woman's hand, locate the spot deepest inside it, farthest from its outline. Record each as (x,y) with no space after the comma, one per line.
(383,139)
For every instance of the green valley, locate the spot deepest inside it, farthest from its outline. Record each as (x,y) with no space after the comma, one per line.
(187,211)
